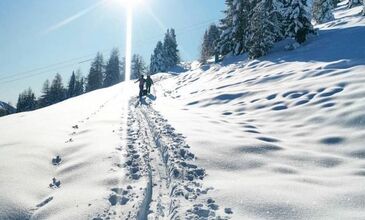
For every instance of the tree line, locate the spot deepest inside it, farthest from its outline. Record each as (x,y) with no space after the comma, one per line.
(253,27)
(101,75)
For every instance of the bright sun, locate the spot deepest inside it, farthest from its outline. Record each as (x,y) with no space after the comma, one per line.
(129,3)
(129,7)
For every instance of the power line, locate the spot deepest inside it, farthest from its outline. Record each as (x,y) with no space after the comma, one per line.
(81,58)
(40,73)
(71,62)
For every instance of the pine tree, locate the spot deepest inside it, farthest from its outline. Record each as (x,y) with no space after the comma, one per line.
(322,11)
(44,100)
(95,77)
(57,91)
(158,63)
(243,12)
(298,20)
(204,49)
(112,70)
(122,69)
(71,86)
(264,28)
(363,10)
(138,67)
(170,49)
(208,47)
(225,43)
(79,84)
(26,101)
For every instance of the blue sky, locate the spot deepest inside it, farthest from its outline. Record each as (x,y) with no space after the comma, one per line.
(30,37)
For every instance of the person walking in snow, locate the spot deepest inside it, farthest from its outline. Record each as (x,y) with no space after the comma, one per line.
(149,83)
(141,81)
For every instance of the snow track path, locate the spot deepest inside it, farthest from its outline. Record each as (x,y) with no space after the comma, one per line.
(160,164)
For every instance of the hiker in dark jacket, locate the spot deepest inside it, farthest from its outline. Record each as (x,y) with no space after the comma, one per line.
(149,83)
(141,81)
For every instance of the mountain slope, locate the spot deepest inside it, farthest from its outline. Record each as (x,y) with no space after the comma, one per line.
(281,137)
(276,138)
(6,109)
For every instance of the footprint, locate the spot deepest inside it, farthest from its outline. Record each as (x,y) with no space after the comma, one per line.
(252,131)
(250,126)
(321,89)
(331,92)
(271,97)
(227,113)
(55,183)
(295,94)
(57,160)
(268,139)
(310,96)
(75,127)
(193,103)
(279,107)
(301,102)
(332,140)
(228,211)
(69,140)
(117,199)
(328,105)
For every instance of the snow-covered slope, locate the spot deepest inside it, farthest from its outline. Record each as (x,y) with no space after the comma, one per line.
(84,132)
(282,137)
(276,138)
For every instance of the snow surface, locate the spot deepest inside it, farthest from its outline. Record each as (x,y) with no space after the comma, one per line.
(282,137)
(276,138)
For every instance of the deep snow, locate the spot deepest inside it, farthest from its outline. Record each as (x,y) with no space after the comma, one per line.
(276,138)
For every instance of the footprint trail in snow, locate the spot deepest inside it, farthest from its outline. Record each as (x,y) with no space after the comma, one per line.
(161,167)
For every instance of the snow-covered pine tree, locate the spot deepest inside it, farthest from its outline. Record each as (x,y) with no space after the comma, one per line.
(158,63)
(363,9)
(225,42)
(170,48)
(242,17)
(208,47)
(71,86)
(264,28)
(138,66)
(298,20)
(112,69)
(95,77)
(203,51)
(322,11)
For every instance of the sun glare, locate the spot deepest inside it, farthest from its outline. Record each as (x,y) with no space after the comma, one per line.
(129,3)
(128,43)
